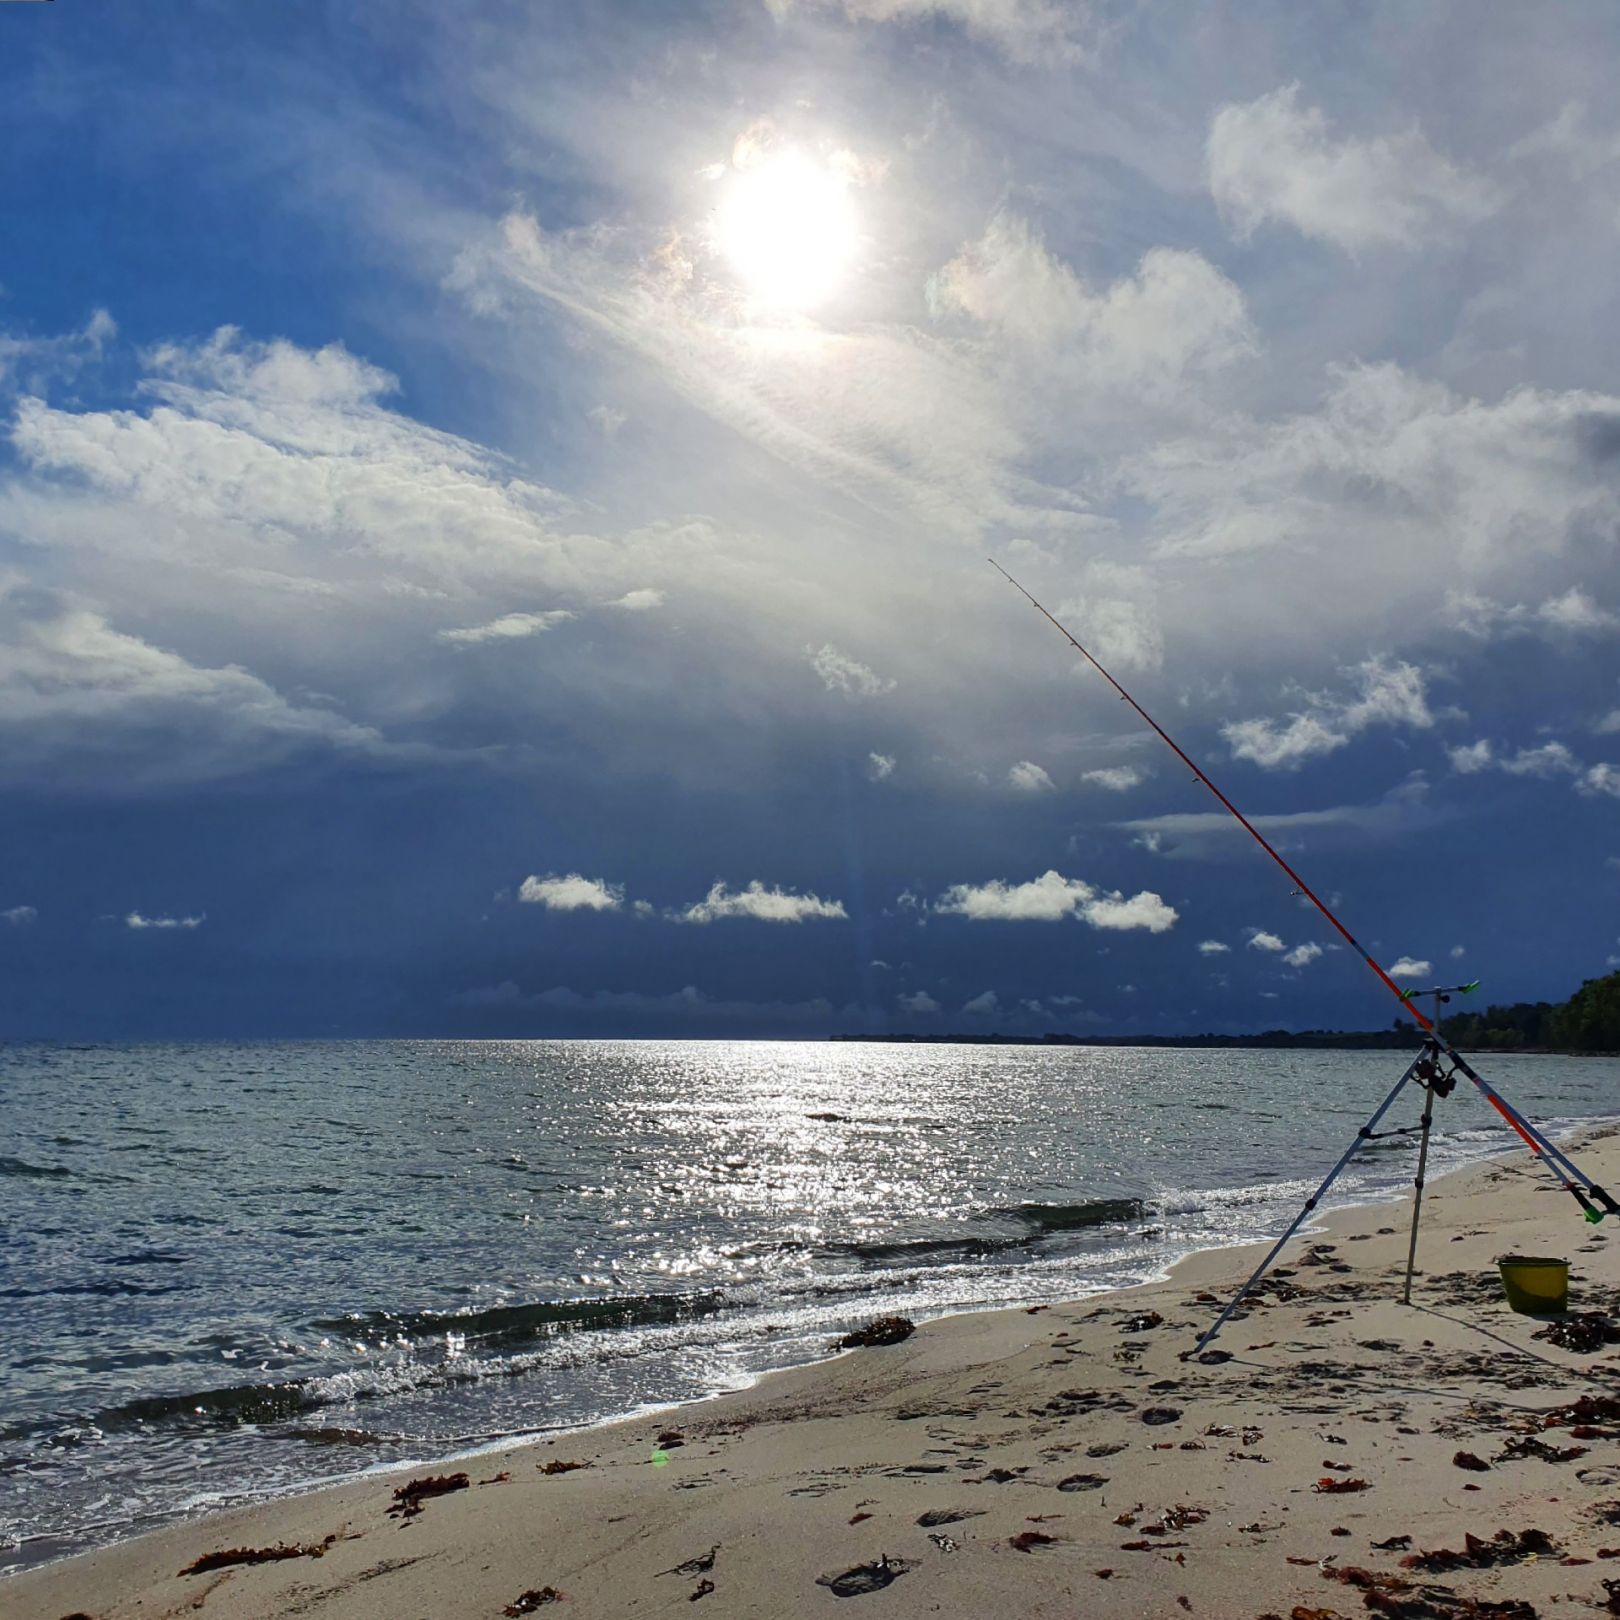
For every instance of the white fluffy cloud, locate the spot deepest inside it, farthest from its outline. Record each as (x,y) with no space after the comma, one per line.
(1571,613)
(984,1005)
(571,892)
(509,627)
(1212,947)
(841,673)
(19,916)
(139,920)
(1028,777)
(1116,778)
(760,903)
(880,767)
(1275,159)
(1052,897)
(1392,694)
(1410,967)
(918,1001)
(1302,955)
(1261,939)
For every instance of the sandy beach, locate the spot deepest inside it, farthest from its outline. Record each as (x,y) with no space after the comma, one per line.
(1353,1455)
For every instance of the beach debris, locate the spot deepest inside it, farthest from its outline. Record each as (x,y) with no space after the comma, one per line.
(1525,1445)
(881,1330)
(942,1541)
(1149,1546)
(701,1565)
(1585,1333)
(1504,1547)
(409,1497)
(535,1598)
(1337,1468)
(1179,1517)
(1026,1541)
(1393,1544)
(1258,1528)
(1588,1409)
(496,1479)
(1466,1459)
(1612,1587)
(1214,1358)
(856,1518)
(701,1590)
(1082,1482)
(864,1578)
(230,1556)
(999,1476)
(1105,1448)
(1366,1579)
(1103,1574)
(1154,1415)
(560,1465)
(1337,1487)
(669,1439)
(1141,1322)
(947,1516)
(1338,1530)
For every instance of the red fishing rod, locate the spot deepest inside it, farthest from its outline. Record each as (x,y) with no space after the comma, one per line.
(1576,1182)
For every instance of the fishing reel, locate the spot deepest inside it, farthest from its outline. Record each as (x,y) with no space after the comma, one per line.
(1429,1074)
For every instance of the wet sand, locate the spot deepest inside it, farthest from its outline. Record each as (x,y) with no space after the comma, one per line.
(1060,1461)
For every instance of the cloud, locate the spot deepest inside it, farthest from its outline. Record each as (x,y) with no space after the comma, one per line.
(1028,777)
(840,673)
(1302,955)
(571,893)
(1547,760)
(1408,967)
(686,1005)
(1212,947)
(1573,613)
(1272,159)
(508,627)
(19,916)
(136,920)
(1116,778)
(985,1005)
(1392,694)
(33,363)
(918,1001)
(1600,779)
(1052,897)
(1469,759)
(1456,951)
(1027,30)
(639,601)
(1261,940)
(760,903)
(880,767)
(1177,314)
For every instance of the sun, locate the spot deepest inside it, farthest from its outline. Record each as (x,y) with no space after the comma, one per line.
(787,227)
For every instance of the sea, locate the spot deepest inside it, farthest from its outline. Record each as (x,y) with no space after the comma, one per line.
(233,1271)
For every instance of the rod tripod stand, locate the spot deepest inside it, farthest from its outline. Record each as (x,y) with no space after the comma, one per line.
(1435,1070)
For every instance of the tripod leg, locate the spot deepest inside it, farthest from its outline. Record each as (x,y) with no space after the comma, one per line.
(1417,1189)
(1310,1204)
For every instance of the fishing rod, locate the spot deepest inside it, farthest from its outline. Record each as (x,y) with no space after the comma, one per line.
(1578,1184)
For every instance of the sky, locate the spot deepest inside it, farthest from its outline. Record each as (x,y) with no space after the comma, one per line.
(495,500)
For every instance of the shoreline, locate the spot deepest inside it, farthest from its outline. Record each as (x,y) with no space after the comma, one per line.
(859,1387)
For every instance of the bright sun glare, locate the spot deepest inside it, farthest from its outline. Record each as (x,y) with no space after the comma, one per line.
(788,228)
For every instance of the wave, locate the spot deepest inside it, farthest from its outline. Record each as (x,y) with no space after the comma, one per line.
(1076,1217)
(33,1172)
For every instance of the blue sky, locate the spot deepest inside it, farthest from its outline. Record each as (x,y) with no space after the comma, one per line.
(494,499)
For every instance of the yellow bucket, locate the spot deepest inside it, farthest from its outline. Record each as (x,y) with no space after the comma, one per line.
(1535,1287)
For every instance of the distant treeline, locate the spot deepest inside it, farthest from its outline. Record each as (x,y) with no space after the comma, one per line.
(1588,1022)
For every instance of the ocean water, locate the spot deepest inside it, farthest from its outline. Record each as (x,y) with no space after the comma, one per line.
(229,1271)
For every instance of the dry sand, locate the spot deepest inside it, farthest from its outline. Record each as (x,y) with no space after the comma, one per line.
(1056,1462)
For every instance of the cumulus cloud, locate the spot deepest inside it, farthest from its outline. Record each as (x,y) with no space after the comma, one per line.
(1212,947)
(1052,897)
(19,916)
(841,673)
(1116,778)
(1177,314)
(571,892)
(1547,760)
(1274,159)
(1028,777)
(1262,940)
(1392,694)
(760,903)
(918,1001)
(1302,955)
(880,767)
(509,627)
(985,1005)
(1572,613)
(642,600)
(138,920)
(1410,967)
(1601,779)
